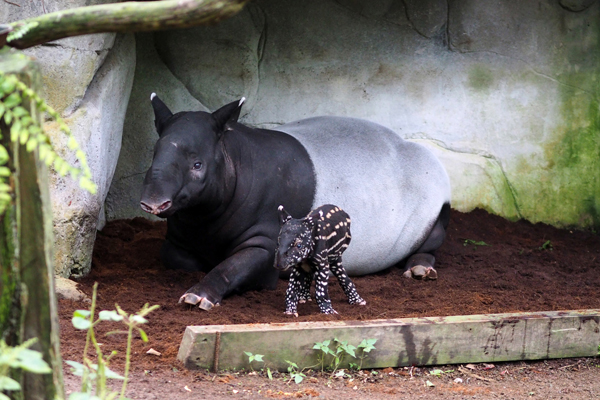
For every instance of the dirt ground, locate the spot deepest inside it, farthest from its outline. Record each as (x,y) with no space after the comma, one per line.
(519,267)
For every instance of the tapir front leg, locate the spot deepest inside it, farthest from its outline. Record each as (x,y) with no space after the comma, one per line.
(247,269)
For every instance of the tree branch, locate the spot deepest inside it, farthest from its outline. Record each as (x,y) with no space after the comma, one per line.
(132,16)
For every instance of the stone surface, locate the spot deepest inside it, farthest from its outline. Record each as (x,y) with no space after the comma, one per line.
(97,125)
(67,289)
(139,134)
(90,89)
(507,92)
(429,17)
(576,5)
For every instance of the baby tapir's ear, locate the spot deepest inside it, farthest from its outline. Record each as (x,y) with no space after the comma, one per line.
(284,216)
(228,114)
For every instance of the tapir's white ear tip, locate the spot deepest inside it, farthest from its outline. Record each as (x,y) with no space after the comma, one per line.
(280,208)
(152,96)
(242,101)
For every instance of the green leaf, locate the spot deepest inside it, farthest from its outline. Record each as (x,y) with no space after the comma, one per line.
(32,361)
(13,100)
(2,109)
(82,313)
(259,357)
(269,374)
(248,353)
(298,378)
(19,112)
(64,169)
(31,144)
(81,323)
(8,117)
(112,375)
(3,155)
(8,85)
(23,136)
(7,383)
(15,130)
(72,143)
(109,316)
(143,335)
(139,319)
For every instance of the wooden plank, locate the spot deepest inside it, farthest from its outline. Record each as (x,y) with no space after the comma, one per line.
(400,342)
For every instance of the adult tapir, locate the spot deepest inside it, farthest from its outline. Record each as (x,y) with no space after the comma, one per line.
(219,185)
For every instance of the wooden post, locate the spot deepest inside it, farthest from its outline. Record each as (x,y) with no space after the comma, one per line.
(28,306)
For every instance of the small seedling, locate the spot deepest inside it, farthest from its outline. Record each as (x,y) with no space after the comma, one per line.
(475,243)
(439,372)
(295,372)
(254,357)
(98,373)
(547,246)
(342,349)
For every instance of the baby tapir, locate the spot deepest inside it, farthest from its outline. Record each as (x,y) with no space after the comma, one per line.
(313,246)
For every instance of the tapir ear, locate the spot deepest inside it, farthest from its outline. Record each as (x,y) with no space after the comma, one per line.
(161,113)
(228,114)
(284,216)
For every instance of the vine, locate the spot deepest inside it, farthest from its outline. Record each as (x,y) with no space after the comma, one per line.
(28,131)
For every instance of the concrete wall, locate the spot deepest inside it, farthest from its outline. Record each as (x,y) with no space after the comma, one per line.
(504,92)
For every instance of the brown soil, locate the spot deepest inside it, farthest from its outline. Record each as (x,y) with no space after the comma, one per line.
(521,267)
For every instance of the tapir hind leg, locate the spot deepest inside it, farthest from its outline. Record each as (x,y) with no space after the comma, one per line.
(421,264)
(248,268)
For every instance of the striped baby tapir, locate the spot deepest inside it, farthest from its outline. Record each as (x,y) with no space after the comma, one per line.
(312,246)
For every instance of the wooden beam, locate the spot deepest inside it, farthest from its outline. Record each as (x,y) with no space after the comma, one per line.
(400,342)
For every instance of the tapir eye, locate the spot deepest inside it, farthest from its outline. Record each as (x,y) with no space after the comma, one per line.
(197,165)
(299,245)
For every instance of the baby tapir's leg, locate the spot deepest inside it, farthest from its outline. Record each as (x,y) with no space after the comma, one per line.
(345,282)
(321,292)
(306,280)
(296,285)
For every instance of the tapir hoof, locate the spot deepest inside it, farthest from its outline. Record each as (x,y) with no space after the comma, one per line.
(193,299)
(190,298)
(295,314)
(421,272)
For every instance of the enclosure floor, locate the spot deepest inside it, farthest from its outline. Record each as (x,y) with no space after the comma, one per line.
(512,273)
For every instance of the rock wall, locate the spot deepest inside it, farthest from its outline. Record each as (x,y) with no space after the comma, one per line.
(504,92)
(88,80)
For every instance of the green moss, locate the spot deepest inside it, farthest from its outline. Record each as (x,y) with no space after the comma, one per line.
(480,77)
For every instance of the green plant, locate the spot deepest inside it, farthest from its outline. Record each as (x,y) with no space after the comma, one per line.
(439,372)
(295,373)
(365,347)
(27,130)
(254,357)
(19,357)
(547,246)
(98,373)
(342,349)
(475,243)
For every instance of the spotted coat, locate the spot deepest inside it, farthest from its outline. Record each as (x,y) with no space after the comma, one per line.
(312,247)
